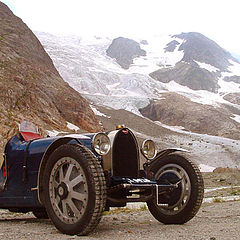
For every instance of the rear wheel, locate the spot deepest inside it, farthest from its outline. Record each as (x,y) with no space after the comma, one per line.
(182,203)
(74,189)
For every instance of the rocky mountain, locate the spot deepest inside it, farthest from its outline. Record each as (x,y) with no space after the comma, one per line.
(198,50)
(204,86)
(189,75)
(124,50)
(30,85)
(202,62)
(198,47)
(177,110)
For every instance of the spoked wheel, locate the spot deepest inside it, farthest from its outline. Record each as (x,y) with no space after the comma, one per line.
(68,190)
(179,205)
(75,190)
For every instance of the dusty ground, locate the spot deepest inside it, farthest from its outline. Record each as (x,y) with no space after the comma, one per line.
(214,221)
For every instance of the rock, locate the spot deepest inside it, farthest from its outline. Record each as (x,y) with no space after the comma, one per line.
(124,50)
(233,98)
(176,110)
(234,78)
(144,42)
(188,75)
(171,46)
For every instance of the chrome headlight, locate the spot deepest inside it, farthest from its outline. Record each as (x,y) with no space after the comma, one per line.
(101,143)
(148,149)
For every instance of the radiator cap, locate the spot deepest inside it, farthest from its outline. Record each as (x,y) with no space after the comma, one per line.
(121,126)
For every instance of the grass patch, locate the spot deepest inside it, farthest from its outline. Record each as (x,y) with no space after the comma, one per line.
(125,210)
(235,192)
(217,200)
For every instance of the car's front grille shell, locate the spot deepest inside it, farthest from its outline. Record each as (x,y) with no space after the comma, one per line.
(125,154)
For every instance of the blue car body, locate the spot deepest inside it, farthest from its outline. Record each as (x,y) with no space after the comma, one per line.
(19,182)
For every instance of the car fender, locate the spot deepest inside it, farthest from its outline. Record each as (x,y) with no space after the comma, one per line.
(160,155)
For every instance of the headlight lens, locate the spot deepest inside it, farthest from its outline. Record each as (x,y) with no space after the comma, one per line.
(148,149)
(101,143)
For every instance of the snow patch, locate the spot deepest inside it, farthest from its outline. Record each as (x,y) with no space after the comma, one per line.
(96,112)
(227,87)
(207,66)
(234,68)
(236,118)
(53,133)
(202,96)
(172,128)
(72,126)
(156,56)
(112,86)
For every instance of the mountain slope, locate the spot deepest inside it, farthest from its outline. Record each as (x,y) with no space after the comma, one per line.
(203,149)
(31,87)
(188,75)
(85,65)
(176,110)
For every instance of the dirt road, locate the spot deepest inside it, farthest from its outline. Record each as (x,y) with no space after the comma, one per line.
(216,221)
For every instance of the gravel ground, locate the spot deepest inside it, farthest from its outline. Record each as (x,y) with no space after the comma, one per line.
(213,222)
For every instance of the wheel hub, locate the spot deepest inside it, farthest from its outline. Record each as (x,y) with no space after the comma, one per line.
(177,198)
(172,196)
(62,190)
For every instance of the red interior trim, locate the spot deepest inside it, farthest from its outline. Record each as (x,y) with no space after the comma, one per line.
(30,136)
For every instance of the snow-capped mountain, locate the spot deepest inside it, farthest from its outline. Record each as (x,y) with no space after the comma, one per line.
(133,74)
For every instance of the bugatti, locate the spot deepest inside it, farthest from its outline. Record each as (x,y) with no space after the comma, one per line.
(73,179)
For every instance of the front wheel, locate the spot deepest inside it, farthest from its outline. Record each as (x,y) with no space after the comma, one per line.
(182,203)
(74,189)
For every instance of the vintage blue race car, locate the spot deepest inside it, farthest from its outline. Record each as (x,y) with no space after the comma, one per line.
(73,179)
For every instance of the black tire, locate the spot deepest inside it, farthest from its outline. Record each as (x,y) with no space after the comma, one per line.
(40,213)
(74,190)
(181,204)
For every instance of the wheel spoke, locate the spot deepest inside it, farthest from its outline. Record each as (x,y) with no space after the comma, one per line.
(69,171)
(180,205)
(57,200)
(182,175)
(76,181)
(64,207)
(73,207)
(61,177)
(78,196)
(55,183)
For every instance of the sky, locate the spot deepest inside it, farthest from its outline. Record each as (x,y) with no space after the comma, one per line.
(216,19)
